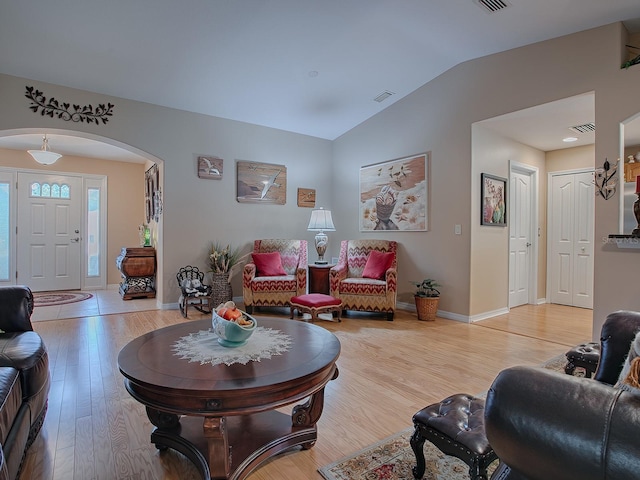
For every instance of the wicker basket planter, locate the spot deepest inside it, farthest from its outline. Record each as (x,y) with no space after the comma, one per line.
(427,307)
(220,289)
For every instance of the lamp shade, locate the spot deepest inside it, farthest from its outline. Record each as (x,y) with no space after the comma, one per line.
(44,156)
(321,221)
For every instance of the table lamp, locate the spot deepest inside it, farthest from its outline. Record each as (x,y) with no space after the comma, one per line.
(320,222)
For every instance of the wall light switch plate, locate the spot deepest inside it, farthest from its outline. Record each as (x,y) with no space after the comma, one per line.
(458,229)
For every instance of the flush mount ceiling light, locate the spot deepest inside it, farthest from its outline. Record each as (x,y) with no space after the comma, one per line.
(44,156)
(570,139)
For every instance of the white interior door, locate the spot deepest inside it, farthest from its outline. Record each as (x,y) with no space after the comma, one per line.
(520,238)
(571,239)
(49,226)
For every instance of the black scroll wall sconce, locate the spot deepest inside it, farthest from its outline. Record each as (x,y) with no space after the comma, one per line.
(605,179)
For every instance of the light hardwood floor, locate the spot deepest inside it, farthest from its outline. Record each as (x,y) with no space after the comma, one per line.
(388,371)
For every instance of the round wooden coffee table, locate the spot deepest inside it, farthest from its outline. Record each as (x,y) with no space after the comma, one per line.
(223,417)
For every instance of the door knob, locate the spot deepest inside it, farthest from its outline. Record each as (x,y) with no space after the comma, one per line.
(75,240)
(528,244)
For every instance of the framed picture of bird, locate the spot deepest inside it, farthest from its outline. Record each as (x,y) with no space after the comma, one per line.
(209,167)
(307,197)
(261,183)
(394,195)
(493,201)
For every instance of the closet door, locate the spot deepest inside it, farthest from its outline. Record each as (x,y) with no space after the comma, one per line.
(571,211)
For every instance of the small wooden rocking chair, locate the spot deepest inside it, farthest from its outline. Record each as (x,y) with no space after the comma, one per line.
(194,291)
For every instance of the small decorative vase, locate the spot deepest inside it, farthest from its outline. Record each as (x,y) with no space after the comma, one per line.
(147,237)
(221,291)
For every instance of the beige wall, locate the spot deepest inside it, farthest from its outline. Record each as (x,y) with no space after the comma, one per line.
(195,211)
(489,285)
(438,117)
(125,196)
(571,158)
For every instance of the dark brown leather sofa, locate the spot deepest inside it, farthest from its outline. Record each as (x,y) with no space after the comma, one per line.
(24,379)
(545,425)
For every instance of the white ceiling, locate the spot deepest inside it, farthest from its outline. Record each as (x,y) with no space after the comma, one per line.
(311,67)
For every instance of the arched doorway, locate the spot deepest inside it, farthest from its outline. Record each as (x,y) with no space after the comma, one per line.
(90,156)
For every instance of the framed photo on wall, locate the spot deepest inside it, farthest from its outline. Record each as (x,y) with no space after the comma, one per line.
(493,201)
(394,195)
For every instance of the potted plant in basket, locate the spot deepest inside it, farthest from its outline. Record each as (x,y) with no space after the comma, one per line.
(222,261)
(427,297)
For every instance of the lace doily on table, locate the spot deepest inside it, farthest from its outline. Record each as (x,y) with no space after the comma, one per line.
(203,347)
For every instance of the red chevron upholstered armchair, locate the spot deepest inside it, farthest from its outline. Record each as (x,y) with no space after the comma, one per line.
(351,280)
(269,283)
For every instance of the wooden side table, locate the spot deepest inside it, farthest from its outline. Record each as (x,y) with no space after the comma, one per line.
(319,278)
(138,269)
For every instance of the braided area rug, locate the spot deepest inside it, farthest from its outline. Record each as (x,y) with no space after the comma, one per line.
(47,299)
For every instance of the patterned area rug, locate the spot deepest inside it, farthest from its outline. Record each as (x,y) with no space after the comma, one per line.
(47,299)
(393,459)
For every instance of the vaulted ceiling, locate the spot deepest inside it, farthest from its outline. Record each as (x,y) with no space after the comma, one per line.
(310,67)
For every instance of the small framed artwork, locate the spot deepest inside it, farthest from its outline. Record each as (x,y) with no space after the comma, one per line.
(261,183)
(493,201)
(209,167)
(307,197)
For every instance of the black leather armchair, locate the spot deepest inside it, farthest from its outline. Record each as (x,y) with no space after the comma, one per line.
(616,335)
(24,379)
(544,425)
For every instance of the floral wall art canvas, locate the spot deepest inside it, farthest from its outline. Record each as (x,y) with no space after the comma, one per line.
(494,201)
(394,195)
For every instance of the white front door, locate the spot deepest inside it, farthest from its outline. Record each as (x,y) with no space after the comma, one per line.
(49,226)
(571,212)
(520,238)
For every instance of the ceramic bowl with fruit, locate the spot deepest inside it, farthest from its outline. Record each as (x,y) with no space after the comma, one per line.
(232,326)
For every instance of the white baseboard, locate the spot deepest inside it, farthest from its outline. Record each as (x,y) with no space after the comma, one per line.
(411,307)
(402,306)
(485,315)
(175,306)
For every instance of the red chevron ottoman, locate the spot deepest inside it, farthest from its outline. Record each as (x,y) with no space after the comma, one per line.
(316,303)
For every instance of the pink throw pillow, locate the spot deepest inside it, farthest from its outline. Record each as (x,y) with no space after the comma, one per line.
(377,264)
(268,264)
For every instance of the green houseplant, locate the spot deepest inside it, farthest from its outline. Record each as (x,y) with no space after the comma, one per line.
(427,297)
(223,263)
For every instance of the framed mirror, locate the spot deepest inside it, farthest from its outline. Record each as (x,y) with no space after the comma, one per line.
(630,129)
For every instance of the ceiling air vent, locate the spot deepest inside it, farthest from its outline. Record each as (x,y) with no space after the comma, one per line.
(585,128)
(383,96)
(492,6)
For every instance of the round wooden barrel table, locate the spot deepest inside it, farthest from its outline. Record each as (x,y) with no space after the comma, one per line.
(207,412)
